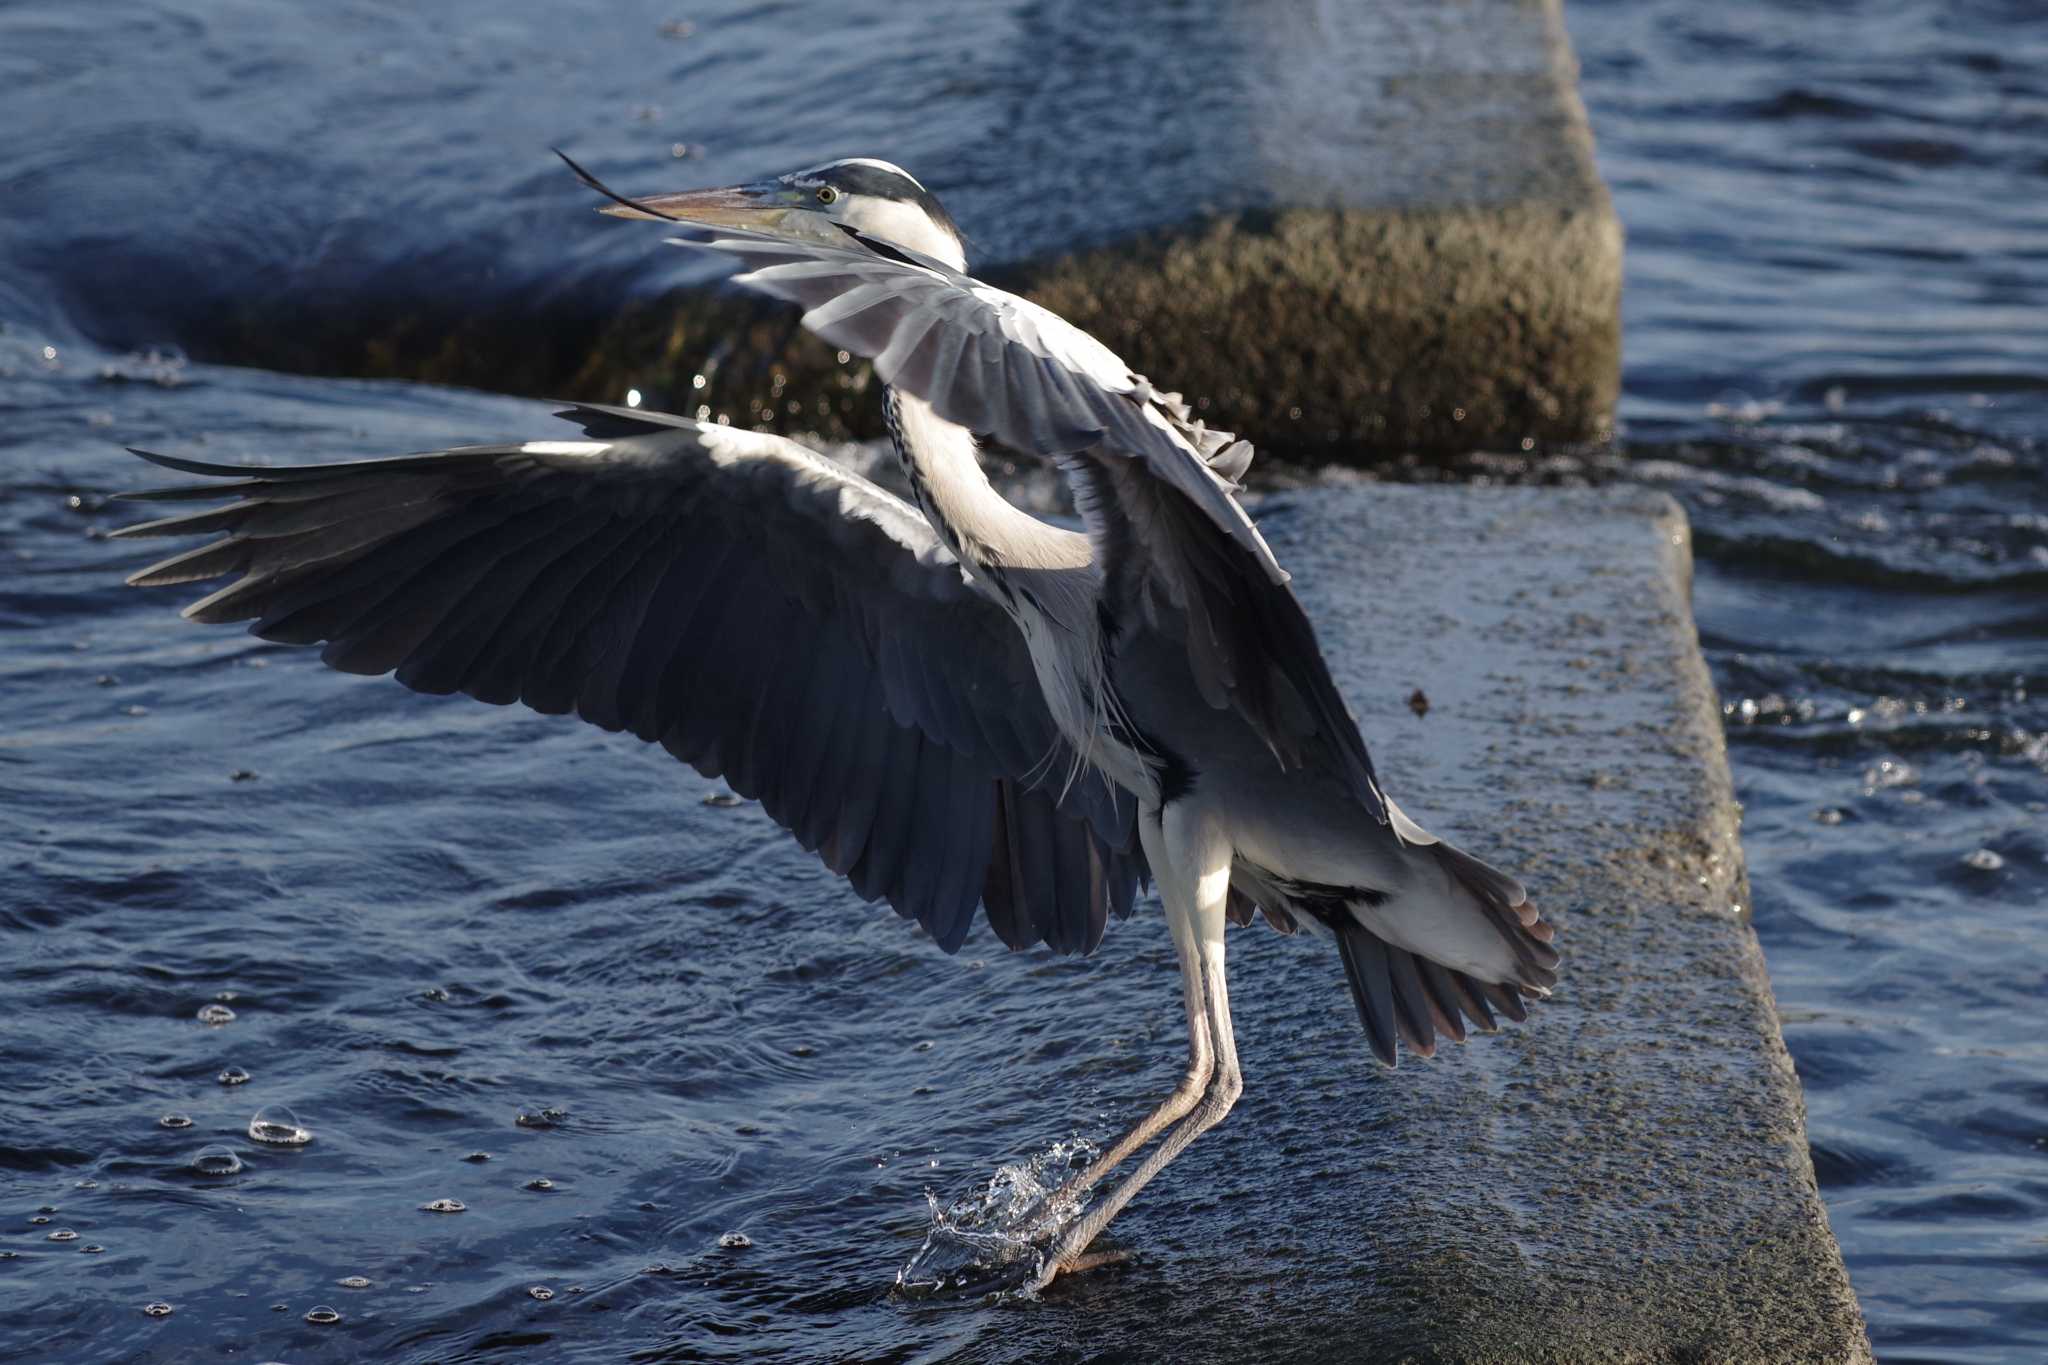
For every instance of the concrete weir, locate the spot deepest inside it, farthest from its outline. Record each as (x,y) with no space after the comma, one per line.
(1370,230)
(1625,1176)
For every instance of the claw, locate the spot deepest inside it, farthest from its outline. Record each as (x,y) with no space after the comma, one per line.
(1077,1265)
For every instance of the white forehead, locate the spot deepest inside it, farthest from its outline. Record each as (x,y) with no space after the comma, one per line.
(870,162)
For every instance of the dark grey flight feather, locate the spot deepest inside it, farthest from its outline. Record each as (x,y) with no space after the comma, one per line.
(759,611)
(1154,487)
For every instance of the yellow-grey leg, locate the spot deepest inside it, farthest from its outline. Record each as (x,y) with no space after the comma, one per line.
(1190,859)
(1176,1106)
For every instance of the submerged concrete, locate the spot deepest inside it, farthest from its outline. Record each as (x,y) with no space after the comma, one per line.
(1624,1177)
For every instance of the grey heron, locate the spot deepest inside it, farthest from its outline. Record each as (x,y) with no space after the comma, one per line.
(954,704)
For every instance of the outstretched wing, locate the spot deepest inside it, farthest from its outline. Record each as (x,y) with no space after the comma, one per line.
(1155,488)
(763,613)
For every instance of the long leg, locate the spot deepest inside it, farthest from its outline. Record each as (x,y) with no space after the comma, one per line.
(1176,1106)
(1191,860)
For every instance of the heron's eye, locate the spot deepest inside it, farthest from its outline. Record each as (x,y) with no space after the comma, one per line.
(826,194)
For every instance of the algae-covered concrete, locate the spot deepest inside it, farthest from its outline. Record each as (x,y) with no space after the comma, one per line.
(1399,243)
(1625,1177)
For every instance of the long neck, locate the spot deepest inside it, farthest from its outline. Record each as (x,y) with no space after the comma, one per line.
(977,523)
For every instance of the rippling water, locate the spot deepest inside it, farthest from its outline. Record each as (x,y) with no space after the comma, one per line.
(1837,314)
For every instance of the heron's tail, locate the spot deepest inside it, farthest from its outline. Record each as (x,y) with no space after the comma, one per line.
(1461,942)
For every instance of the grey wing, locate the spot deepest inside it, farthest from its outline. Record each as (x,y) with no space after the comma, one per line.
(763,613)
(1155,488)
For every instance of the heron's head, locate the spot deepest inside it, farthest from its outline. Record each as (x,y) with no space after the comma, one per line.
(875,197)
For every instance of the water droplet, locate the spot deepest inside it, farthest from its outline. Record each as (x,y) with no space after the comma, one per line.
(477,1158)
(540,1182)
(277,1125)
(92,1249)
(175,1121)
(924,1046)
(216,1014)
(158,1309)
(1984,860)
(354,1282)
(321,1315)
(723,800)
(435,994)
(1829,815)
(63,1235)
(803,1050)
(233,1075)
(216,1160)
(735,1241)
(39,1220)
(8,1255)
(444,1206)
(541,1292)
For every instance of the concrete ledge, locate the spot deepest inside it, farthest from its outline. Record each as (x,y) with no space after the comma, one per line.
(1415,252)
(1626,1177)
(1371,229)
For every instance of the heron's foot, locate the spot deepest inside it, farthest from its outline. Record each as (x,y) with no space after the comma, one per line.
(1079,1263)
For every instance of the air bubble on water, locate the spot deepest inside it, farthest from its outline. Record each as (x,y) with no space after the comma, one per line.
(354,1282)
(541,1292)
(1983,860)
(541,1183)
(1014,1216)
(216,1160)
(444,1206)
(477,1158)
(158,1309)
(39,1220)
(88,1184)
(723,800)
(92,1249)
(321,1315)
(1829,815)
(63,1235)
(233,1075)
(544,1118)
(735,1241)
(277,1125)
(216,1014)
(175,1121)
(924,1046)
(46,1208)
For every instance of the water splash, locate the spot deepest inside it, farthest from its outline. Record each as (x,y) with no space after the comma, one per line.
(1003,1225)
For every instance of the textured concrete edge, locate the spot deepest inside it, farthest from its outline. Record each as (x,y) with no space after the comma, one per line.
(1490,319)
(1726,871)
(1625,1178)
(1349,332)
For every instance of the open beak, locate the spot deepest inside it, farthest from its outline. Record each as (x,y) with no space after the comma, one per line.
(762,206)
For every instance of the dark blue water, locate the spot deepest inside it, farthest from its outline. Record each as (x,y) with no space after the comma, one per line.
(1837,317)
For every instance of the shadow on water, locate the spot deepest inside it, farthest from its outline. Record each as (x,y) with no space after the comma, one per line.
(1835,327)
